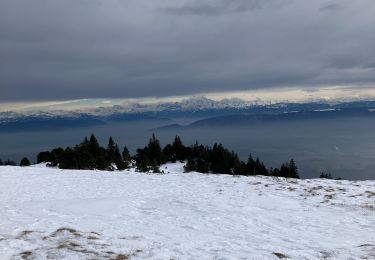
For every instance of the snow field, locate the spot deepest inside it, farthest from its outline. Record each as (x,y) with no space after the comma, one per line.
(64,214)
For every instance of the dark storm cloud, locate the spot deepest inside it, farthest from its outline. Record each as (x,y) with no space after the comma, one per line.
(69,49)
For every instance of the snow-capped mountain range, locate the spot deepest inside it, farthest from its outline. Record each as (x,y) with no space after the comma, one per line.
(191,104)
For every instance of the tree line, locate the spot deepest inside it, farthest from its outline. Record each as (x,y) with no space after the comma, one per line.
(23,162)
(90,155)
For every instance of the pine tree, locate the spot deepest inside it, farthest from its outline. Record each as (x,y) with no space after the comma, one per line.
(25,162)
(284,170)
(111,150)
(93,145)
(293,170)
(179,149)
(126,157)
(275,172)
(101,160)
(142,162)
(169,153)
(85,142)
(155,167)
(190,165)
(69,160)
(1,162)
(45,157)
(221,160)
(153,150)
(120,164)
(250,165)
(202,166)
(239,167)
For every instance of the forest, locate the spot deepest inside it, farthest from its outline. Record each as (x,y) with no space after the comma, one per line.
(89,155)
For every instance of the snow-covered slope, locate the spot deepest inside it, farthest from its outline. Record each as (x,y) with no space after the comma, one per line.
(60,214)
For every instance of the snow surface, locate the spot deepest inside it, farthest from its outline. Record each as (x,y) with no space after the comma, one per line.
(64,214)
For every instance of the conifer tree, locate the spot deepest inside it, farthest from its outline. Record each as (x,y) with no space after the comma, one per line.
(111,150)
(150,155)
(69,160)
(284,170)
(179,149)
(85,142)
(126,157)
(169,153)
(1,162)
(275,172)
(202,166)
(45,157)
(93,145)
(153,150)
(293,170)
(101,160)
(142,161)
(250,165)
(190,165)
(25,162)
(154,167)
(239,167)
(120,164)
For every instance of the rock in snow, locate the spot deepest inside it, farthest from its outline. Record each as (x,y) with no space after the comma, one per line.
(65,214)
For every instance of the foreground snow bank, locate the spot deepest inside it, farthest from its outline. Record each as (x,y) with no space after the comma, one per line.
(55,214)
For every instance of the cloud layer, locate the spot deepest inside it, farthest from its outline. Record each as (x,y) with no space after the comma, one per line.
(70,49)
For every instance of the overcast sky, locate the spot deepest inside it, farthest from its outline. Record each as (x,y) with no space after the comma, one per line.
(74,49)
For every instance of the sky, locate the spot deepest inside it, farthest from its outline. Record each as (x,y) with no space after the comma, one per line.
(71,51)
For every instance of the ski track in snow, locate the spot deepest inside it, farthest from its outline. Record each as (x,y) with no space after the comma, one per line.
(64,214)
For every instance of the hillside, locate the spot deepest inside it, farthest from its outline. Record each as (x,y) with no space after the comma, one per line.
(66,214)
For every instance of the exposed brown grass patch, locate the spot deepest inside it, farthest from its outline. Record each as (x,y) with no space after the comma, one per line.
(26,255)
(280,255)
(121,257)
(312,192)
(68,245)
(65,229)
